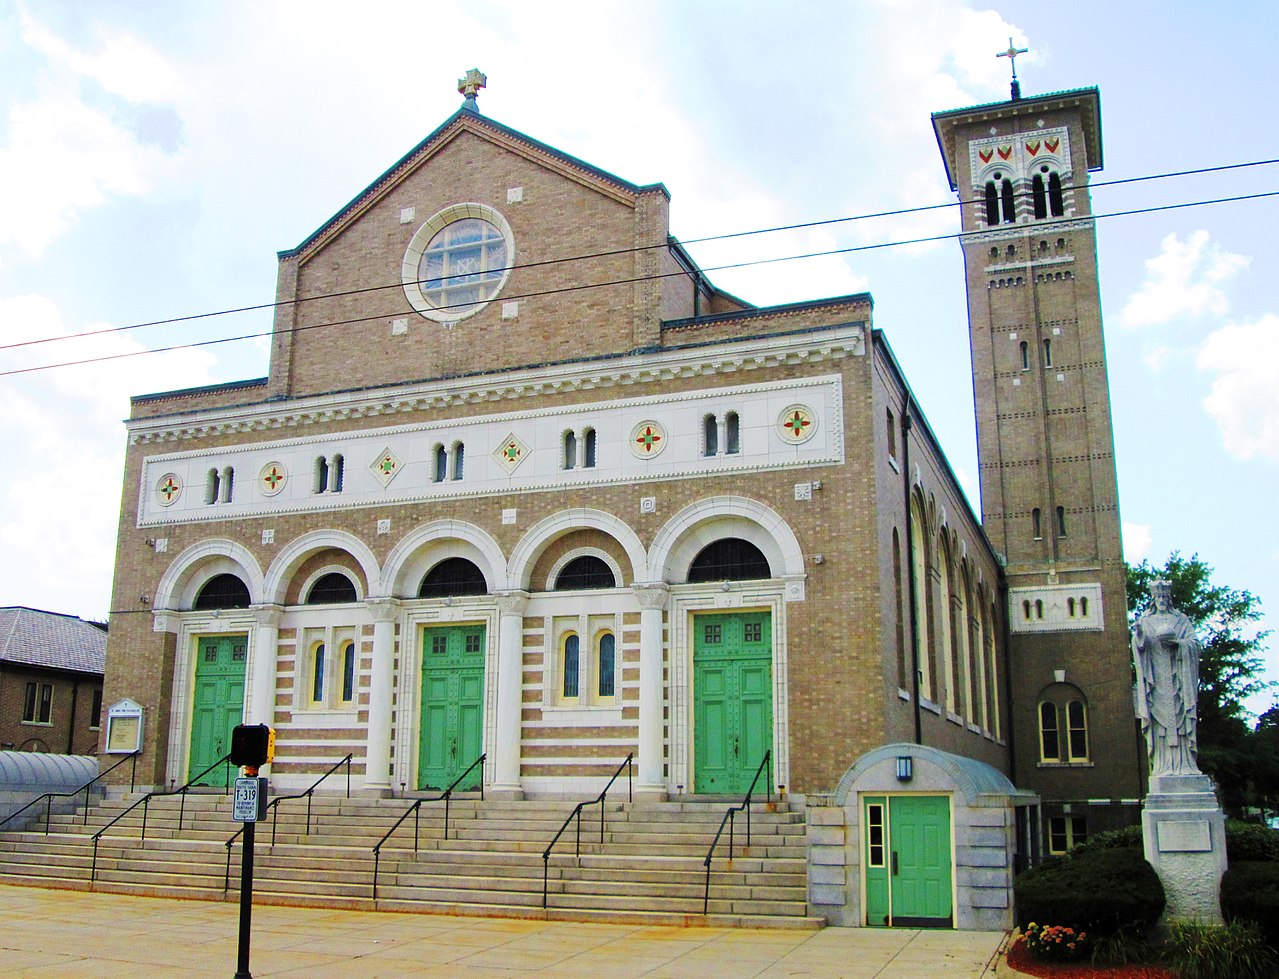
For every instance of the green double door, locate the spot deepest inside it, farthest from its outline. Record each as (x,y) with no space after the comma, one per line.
(732,699)
(218,705)
(450,736)
(906,853)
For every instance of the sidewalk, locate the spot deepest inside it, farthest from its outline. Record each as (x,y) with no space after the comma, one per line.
(51,933)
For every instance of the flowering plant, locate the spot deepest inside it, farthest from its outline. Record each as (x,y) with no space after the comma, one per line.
(1055,943)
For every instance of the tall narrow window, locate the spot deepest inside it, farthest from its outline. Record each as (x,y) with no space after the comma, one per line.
(348,672)
(317,674)
(1083,607)
(710,436)
(1061,521)
(992,203)
(1025,356)
(459,459)
(441,464)
(336,472)
(1070,607)
(1077,730)
(321,483)
(570,450)
(607,664)
(29,703)
(46,703)
(1036,524)
(589,461)
(572,666)
(1048,352)
(1049,736)
(1006,199)
(1039,608)
(892,434)
(1025,609)
(1055,202)
(875,848)
(1039,197)
(733,434)
(228,484)
(212,486)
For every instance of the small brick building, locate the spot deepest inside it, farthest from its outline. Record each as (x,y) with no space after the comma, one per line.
(51,669)
(522,481)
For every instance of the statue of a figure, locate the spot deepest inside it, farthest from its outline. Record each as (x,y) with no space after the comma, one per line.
(1166,654)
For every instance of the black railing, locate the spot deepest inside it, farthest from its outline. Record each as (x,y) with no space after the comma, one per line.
(628,764)
(414,811)
(145,803)
(48,797)
(274,804)
(730,817)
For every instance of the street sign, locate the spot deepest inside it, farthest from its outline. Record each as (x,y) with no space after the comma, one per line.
(249,803)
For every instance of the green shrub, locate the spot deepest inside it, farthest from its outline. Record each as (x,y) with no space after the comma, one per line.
(1232,951)
(1250,892)
(1100,892)
(1251,841)
(1127,946)
(1129,836)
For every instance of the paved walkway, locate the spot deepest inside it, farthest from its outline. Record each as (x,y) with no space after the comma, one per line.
(50,933)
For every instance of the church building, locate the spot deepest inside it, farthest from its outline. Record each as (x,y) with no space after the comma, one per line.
(523,483)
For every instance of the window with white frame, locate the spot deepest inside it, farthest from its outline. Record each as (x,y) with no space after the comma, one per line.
(328,668)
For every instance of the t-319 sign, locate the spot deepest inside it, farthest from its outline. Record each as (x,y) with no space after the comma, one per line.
(249,802)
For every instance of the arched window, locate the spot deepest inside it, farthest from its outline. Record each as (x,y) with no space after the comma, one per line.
(1061,521)
(317,673)
(732,434)
(589,435)
(228,484)
(222,591)
(1077,730)
(571,667)
(1048,352)
(1025,609)
(1039,608)
(441,464)
(1049,735)
(348,672)
(337,472)
(1055,202)
(710,436)
(1070,607)
(606,662)
(211,486)
(453,576)
(321,482)
(1025,356)
(570,450)
(729,559)
(1039,197)
(992,204)
(1036,524)
(459,459)
(899,625)
(587,571)
(1009,206)
(1083,607)
(331,589)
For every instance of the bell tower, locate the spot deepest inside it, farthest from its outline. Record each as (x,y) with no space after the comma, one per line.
(1049,493)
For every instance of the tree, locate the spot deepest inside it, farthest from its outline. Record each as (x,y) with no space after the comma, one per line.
(1229,670)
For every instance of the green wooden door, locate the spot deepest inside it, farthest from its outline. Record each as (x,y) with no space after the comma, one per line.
(907,857)
(732,699)
(450,736)
(218,705)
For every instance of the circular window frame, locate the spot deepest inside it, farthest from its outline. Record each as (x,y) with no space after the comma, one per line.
(422,238)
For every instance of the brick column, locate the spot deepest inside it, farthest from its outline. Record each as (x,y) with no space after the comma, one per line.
(377,759)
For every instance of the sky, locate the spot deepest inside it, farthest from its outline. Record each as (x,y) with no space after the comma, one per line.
(152,165)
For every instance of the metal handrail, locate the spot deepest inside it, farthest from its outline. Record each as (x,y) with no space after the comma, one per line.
(730,818)
(274,804)
(628,764)
(48,797)
(145,803)
(414,809)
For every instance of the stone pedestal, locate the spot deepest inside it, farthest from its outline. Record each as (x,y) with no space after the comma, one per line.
(1184,832)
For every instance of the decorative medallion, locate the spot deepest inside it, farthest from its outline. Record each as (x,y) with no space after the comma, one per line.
(385,466)
(796,424)
(272,478)
(168,489)
(648,439)
(511,452)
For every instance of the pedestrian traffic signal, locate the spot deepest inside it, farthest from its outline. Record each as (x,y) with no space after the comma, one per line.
(252,745)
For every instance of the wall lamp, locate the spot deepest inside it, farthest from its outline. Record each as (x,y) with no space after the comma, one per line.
(905,768)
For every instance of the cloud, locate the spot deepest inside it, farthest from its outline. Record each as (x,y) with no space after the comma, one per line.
(1137,540)
(1244,398)
(1183,281)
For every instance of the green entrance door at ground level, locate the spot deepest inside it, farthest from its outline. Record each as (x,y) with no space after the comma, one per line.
(218,705)
(907,861)
(452,705)
(732,699)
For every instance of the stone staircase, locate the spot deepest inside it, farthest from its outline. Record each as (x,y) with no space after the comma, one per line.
(647,869)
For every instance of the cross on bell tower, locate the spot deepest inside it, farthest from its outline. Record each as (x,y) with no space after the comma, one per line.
(1011,55)
(469,86)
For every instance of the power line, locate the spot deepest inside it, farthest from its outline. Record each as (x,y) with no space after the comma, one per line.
(612,253)
(1040,226)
